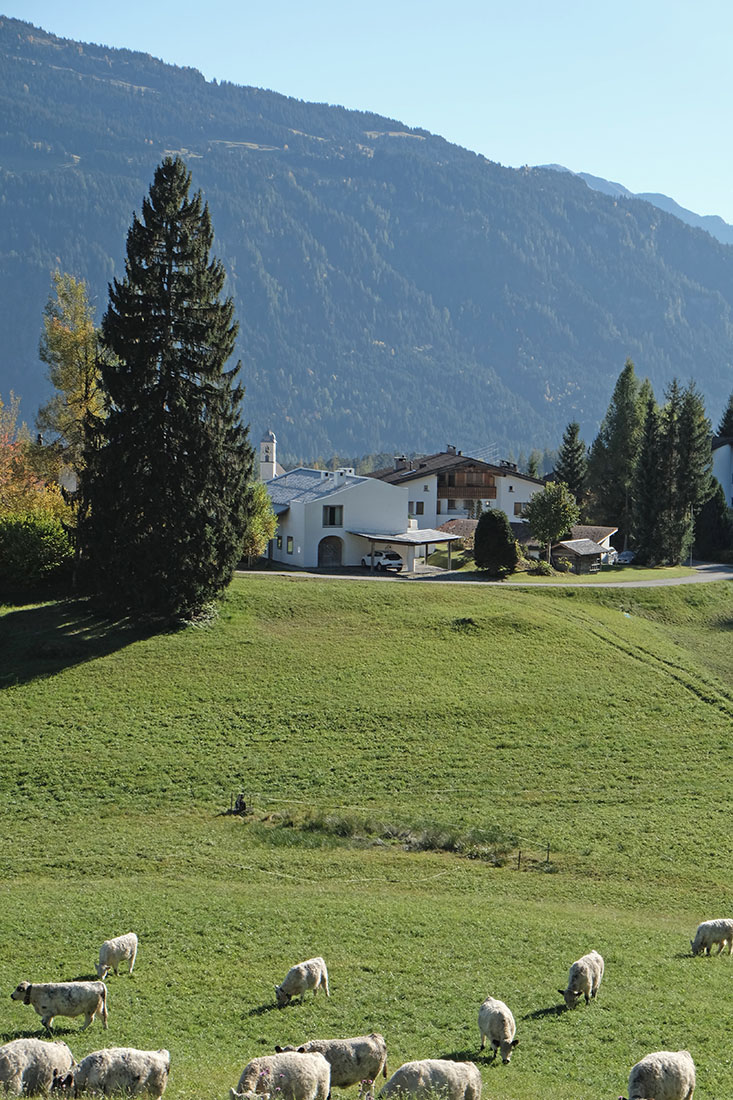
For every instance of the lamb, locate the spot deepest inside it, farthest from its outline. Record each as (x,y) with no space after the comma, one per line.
(584,979)
(362,1058)
(113,952)
(711,932)
(51,999)
(28,1066)
(121,1070)
(434,1077)
(496,1023)
(664,1075)
(294,1076)
(311,974)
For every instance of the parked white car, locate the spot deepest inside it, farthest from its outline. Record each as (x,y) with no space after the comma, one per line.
(626,557)
(383,559)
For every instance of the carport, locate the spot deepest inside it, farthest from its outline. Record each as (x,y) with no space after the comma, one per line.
(413,540)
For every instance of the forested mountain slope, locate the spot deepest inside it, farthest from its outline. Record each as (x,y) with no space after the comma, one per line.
(393,290)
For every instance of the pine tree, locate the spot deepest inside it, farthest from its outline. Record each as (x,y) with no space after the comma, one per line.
(725,428)
(612,459)
(572,462)
(494,545)
(168,471)
(647,489)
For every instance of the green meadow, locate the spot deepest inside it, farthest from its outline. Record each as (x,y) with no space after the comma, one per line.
(453,792)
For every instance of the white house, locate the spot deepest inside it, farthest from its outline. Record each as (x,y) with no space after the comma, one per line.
(333,518)
(448,485)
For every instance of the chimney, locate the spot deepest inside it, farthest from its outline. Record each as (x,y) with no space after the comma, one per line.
(400,462)
(451,449)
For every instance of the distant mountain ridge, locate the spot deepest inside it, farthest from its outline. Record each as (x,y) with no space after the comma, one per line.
(394,291)
(711,223)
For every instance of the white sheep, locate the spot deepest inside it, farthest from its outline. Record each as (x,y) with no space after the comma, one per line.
(431,1077)
(362,1058)
(291,1075)
(496,1023)
(584,979)
(113,952)
(711,932)
(664,1075)
(311,974)
(28,1066)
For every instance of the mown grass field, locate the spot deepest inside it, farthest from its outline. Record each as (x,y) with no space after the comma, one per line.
(593,720)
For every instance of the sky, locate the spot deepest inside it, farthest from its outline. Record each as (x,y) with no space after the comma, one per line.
(636,91)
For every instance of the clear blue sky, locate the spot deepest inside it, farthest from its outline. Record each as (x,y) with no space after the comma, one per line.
(637,91)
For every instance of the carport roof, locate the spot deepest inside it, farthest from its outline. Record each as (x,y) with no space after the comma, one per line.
(418,536)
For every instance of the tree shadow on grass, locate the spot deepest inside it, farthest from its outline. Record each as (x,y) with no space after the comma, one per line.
(40,641)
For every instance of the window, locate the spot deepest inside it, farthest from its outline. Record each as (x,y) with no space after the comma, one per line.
(511,488)
(411,507)
(426,488)
(451,506)
(290,544)
(451,480)
(279,542)
(519,506)
(333,515)
(419,508)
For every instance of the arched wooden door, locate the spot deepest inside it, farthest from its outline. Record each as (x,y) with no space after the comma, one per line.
(330,551)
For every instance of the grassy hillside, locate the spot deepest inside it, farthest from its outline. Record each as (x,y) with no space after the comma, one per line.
(358,716)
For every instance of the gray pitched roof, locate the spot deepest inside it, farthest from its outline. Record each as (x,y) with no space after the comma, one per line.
(582,547)
(305,485)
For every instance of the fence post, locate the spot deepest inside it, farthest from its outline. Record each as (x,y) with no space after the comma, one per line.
(519,859)
(548,852)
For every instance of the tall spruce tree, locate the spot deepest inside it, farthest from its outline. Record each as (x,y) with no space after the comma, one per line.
(168,471)
(647,489)
(725,428)
(612,459)
(572,462)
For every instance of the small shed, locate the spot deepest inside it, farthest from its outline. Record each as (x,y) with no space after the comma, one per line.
(582,555)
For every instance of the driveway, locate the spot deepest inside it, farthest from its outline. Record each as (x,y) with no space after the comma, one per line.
(704,571)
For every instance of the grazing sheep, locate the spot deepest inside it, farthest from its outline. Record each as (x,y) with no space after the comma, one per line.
(434,1077)
(584,979)
(665,1075)
(311,974)
(496,1023)
(113,952)
(28,1066)
(121,1070)
(293,1076)
(64,999)
(711,932)
(362,1058)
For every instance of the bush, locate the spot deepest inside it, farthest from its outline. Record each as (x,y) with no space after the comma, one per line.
(494,547)
(542,569)
(35,553)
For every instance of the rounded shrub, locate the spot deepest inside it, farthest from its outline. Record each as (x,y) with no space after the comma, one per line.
(494,546)
(35,553)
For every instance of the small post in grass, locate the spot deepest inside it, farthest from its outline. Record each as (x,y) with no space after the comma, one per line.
(519,859)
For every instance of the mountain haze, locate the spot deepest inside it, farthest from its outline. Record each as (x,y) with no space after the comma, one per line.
(393,291)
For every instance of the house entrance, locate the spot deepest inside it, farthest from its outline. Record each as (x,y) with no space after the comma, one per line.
(329,551)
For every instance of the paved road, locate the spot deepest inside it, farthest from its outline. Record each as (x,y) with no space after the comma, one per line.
(704,571)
